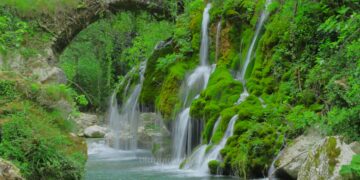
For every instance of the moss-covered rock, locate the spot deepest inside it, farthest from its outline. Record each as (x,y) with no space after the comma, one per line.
(250,151)
(153,76)
(222,92)
(324,161)
(213,166)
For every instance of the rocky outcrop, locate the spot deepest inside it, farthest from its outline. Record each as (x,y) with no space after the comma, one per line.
(39,67)
(324,161)
(355,146)
(85,120)
(8,171)
(294,155)
(50,75)
(95,132)
(311,157)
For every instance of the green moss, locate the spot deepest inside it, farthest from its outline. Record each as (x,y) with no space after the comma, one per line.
(153,78)
(222,92)
(168,97)
(251,109)
(251,149)
(225,115)
(332,152)
(213,166)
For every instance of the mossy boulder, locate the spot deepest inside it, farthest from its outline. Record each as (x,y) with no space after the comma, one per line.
(324,161)
(214,166)
(154,77)
(294,154)
(250,152)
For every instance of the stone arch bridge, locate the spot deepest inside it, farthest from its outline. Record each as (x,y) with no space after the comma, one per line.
(65,27)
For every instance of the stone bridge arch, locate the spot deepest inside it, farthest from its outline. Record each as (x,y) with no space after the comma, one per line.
(80,18)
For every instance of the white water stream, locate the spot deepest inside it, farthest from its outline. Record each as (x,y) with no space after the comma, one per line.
(124,123)
(191,88)
(241,75)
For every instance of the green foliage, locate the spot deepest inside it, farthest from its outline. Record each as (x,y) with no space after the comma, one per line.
(38,146)
(120,43)
(12,32)
(7,90)
(165,62)
(351,171)
(30,8)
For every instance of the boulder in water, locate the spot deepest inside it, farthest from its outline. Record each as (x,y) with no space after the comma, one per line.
(294,155)
(8,171)
(324,161)
(95,132)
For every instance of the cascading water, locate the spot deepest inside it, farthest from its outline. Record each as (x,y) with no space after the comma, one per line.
(199,159)
(215,151)
(218,40)
(241,75)
(124,123)
(191,88)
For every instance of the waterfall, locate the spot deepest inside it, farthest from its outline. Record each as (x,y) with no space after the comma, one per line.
(199,159)
(242,74)
(124,123)
(190,90)
(204,49)
(218,40)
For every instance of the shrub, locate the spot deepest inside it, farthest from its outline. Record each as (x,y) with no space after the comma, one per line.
(38,148)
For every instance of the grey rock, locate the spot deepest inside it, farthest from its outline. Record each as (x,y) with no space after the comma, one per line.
(294,155)
(50,75)
(8,171)
(85,120)
(324,161)
(355,146)
(95,132)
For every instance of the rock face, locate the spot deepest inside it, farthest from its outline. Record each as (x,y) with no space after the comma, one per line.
(85,120)
(95,132)
(355,146)
(324,161)
(39,67)
(50,75)
(8,171)
(293,156)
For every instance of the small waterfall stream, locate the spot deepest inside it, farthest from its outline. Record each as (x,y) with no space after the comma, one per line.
(241,75)
(191,88)
(218,40)
(124,123)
